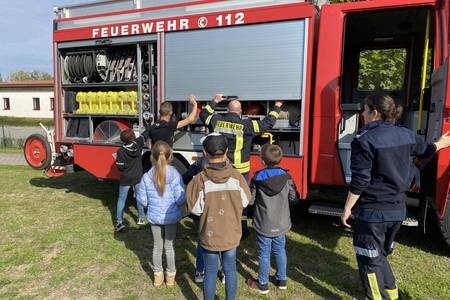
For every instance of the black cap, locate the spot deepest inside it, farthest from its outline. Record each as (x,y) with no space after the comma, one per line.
(215,144)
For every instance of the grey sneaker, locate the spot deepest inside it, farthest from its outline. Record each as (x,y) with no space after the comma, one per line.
(141,221)
(199,276)
(120,226)
(281,284)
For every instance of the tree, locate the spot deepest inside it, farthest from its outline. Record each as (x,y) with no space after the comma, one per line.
(1,79)
(33,75)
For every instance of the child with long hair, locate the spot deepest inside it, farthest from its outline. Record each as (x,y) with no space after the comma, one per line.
(161,190)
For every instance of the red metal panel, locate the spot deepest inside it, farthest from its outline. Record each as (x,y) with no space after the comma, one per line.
(294,165)
(191,22)
(97,160)
(443,161)
(325,162)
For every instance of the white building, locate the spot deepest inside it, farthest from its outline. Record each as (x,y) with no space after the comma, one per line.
(29,99)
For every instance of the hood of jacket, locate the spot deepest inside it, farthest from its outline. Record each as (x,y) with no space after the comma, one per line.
(131,150)
(218,174)
(271,181)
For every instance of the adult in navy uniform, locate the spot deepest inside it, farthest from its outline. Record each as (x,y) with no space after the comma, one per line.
(165,127)
(380,164)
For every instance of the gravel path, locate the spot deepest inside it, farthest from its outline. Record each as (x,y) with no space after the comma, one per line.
(12,159)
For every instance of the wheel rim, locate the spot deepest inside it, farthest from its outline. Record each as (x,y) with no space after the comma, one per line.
(35,152)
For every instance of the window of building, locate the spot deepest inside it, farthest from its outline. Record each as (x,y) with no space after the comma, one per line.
(381,69)
(52,107)
(6,105)
(36,104)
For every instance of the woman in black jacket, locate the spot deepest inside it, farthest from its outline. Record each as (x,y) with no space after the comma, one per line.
(380,164)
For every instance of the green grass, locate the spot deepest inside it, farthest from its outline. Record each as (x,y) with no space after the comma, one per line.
(57,241)
(13,121)
(11,150)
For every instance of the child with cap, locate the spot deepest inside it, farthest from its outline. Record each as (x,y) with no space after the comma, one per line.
(129,163)
(218,195)
(273,190)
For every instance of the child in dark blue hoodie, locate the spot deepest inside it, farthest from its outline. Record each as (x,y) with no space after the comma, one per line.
(273,190)
(129,163)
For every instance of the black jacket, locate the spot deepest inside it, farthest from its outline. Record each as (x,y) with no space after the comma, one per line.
(129,161)
(380,164)
(272,192)
(238,132)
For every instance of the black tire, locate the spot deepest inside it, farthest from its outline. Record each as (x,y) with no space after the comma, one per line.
(37,152)
(444,224)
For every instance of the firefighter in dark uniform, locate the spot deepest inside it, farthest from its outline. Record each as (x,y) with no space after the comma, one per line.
(380,164)
(239,133)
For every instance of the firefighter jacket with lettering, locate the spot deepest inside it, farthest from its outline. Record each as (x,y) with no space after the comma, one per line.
(239,132)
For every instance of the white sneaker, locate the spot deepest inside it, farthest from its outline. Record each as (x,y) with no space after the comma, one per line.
(199,276)
(141,221)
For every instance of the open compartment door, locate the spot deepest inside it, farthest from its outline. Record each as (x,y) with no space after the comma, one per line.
(354,37)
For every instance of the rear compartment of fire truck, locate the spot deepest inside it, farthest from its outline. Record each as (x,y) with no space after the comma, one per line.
(376,42)
(111,84)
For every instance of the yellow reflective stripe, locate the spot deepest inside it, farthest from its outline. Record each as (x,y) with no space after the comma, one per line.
(393,294)
(373,283)
(209,109)
(243,170)
(246,164)
(238,148)
(274,113)
(255,126)
(208,120)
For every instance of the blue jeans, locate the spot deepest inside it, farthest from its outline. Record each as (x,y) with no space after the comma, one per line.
(199,264)
(211,259)
(123,193)
(266,245)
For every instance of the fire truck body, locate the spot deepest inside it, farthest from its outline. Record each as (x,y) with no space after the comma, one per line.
(116,61)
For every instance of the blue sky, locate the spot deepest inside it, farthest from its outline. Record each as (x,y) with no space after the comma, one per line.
(26,34)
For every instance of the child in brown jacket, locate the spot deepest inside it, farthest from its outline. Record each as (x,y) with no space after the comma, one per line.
(218,195)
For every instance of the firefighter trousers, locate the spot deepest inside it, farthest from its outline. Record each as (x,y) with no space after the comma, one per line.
(373,242)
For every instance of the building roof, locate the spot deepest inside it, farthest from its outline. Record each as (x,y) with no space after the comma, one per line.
(27,84)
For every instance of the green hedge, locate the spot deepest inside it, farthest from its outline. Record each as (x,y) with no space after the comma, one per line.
(12,121)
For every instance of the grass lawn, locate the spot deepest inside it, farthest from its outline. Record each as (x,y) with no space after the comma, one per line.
(11,150)
(13,121)
(57,241)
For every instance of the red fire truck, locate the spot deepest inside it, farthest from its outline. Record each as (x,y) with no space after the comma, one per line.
(115,62)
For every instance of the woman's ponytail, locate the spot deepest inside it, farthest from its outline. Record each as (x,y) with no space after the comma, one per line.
(160,157)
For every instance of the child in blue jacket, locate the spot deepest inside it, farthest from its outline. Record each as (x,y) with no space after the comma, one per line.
(161,190)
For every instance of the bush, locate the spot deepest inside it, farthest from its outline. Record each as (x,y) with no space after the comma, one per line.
(23,122)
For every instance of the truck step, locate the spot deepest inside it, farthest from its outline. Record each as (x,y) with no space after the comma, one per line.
(326,209)
(336,211)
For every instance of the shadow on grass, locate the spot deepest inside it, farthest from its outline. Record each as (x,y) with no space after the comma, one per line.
(138,240)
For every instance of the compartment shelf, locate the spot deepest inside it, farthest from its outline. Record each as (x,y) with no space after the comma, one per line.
(100,84)
(101,116)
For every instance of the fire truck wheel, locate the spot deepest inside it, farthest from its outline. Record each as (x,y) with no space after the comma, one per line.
(444,224)
(37,152)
